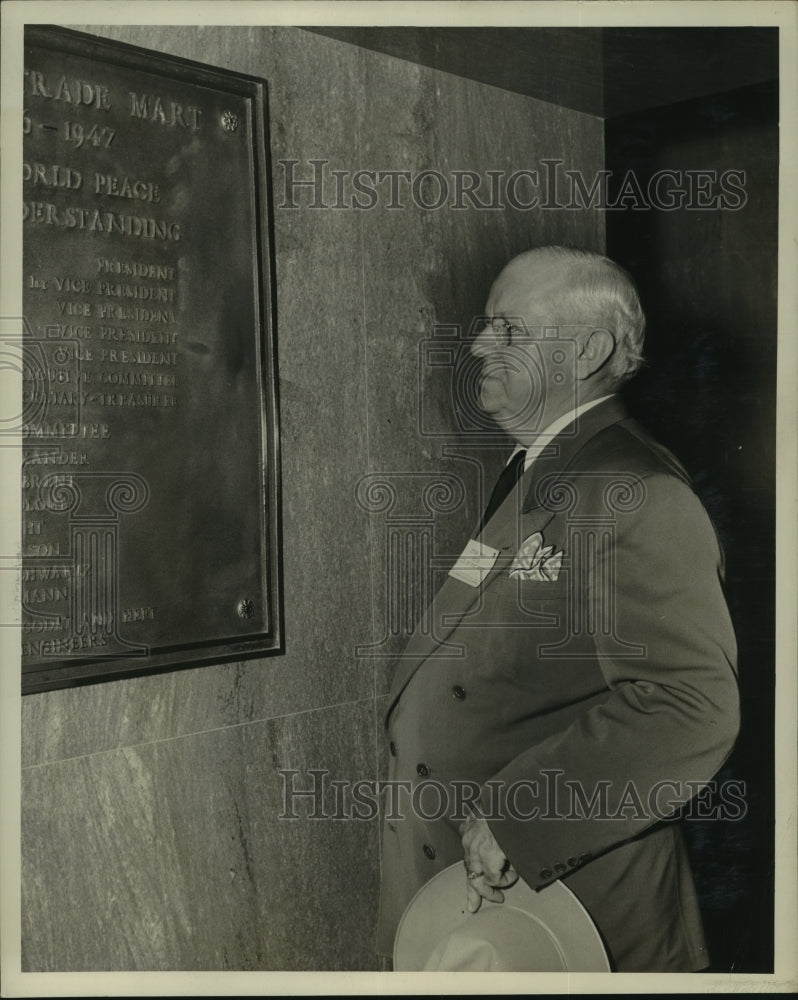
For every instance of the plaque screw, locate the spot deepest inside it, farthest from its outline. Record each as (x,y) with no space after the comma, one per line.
(245,608)
(229,121)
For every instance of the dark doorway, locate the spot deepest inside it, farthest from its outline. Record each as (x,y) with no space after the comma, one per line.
(707,273)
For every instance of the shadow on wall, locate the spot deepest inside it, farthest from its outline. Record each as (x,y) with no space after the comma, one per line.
(708,281)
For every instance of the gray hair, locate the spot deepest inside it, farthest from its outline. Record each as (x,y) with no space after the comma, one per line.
(602,294)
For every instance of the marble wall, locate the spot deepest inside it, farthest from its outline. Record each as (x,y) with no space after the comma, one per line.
(151,837)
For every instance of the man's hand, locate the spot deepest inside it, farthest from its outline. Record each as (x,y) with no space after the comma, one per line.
(485,862)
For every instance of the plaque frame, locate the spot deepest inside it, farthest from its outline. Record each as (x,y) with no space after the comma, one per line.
(74,670)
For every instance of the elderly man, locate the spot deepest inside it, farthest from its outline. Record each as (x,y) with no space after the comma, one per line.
(573,682)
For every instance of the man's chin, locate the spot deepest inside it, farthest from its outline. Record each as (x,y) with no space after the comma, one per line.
(504,418)
(500,417)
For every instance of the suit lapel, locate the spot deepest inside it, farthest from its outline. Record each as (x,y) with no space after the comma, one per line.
(455,599)
(523,512)
(561,452)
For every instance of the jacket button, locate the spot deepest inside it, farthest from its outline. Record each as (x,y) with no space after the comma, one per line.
(459,692)
(583,858)
(429,852)
(559,868)
(392,748)
(423,770)
(573,862)
(546,873)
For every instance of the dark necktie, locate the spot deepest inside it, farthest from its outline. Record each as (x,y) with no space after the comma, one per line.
(510,475)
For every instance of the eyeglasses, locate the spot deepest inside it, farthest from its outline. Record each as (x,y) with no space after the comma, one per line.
(506,332)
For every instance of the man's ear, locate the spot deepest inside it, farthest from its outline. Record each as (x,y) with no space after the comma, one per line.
(595,351)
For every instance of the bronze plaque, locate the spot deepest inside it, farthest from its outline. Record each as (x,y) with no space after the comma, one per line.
(149,424)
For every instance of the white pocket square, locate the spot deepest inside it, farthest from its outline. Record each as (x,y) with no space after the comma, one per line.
(534,561)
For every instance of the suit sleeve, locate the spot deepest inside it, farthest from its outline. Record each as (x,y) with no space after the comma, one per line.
(671,712)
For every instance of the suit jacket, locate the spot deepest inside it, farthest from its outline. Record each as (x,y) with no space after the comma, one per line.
(582,710)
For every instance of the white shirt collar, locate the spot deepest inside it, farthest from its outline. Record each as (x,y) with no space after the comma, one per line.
(533,450)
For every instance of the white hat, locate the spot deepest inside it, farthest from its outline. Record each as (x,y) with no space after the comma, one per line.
(545,931)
